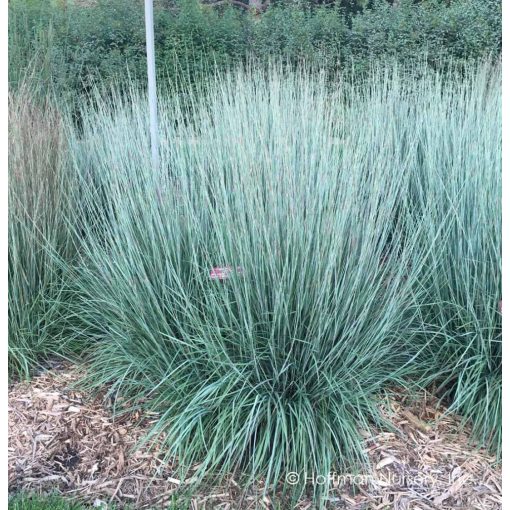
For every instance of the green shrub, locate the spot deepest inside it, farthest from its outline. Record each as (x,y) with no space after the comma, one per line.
(457,30)
(105,42)
(36,46)
(79,46)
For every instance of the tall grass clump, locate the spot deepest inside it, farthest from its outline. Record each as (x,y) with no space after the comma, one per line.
(39,238)
(265,283)
(271,181)
(456,193)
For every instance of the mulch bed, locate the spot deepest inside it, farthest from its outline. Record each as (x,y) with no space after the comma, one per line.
(63,440)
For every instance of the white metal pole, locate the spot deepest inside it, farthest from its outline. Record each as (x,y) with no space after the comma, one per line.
(151,74)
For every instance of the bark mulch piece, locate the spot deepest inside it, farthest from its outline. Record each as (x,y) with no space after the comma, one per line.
(63,440)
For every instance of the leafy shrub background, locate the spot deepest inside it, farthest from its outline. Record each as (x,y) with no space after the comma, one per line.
(454,30)
(76,46)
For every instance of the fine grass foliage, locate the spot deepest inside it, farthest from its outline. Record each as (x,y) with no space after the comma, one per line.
(303,246)
(296,192)
(38,234)
(28,501)
(457,197)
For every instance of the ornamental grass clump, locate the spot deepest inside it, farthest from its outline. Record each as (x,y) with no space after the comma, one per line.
(254,289)
(39,237)
(267,282)
(456,192)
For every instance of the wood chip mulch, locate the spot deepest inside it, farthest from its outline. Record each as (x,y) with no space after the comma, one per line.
(66,441)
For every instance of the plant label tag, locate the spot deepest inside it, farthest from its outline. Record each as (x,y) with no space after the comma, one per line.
(223,272)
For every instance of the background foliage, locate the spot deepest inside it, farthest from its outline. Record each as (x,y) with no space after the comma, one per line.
(74,46)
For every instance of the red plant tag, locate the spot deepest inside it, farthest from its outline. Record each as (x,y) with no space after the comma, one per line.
(220,273)
(223,272)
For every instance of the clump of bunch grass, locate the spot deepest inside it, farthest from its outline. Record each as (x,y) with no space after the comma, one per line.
(275,368)
(39,238)
(315,202)
(456,196)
